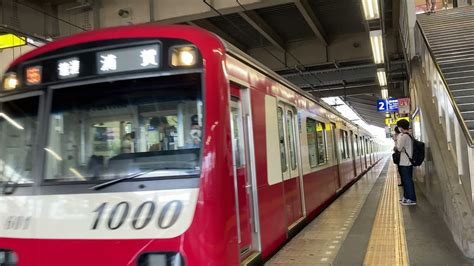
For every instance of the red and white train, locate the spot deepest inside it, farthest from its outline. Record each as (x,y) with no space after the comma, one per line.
(162,145)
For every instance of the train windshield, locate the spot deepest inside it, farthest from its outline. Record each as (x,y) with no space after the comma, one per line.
(111,130)
(18,126)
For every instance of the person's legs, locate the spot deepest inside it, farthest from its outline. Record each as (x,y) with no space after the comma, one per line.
(403,176)
(408,185)
(400,180)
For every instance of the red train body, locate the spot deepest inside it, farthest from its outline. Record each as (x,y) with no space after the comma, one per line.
(268,158)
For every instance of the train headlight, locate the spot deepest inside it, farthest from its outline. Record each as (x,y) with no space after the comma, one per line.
(160,259)
(183,56)
(8,257)
(10,82)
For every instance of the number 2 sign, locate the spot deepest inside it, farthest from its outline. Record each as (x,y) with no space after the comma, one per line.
(382,106)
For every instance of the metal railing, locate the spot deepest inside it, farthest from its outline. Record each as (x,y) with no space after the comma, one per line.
(458,137)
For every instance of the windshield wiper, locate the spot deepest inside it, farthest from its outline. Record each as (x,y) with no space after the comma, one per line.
(9,187)
(120,179)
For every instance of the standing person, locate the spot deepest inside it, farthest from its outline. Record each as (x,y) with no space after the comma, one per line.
(165,133)
(395,139)
(405,147)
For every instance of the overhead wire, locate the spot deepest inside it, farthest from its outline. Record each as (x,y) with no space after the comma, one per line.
(301,74)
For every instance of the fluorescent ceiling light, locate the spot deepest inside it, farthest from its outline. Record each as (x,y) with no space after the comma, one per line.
(384,93)
(382,77)
(377,46)
(371,9)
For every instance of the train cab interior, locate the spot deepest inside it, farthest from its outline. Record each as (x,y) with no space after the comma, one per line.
(124,128)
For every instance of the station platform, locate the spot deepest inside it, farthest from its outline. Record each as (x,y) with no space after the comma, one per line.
(367,226)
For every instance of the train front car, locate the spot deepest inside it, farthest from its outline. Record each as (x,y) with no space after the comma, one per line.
(115,150)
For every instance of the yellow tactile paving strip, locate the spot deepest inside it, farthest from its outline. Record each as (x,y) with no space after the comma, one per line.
(319,242)
(387,244)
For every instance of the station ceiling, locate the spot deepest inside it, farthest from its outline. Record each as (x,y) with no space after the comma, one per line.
(322,46)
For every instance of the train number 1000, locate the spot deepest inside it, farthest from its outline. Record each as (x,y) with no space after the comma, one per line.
(142,216)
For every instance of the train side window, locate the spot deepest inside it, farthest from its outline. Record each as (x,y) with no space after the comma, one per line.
(291,138)
(237,134)
(281,133)
(356,145)
(345,145)
(312,148)
(321,138)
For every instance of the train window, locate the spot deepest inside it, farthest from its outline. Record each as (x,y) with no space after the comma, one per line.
(321,137)
(103,131)
(311,136)
(345,145)
(281,133)
(316,142)
(291,138)
(18,128)
(237,134)
(356,145)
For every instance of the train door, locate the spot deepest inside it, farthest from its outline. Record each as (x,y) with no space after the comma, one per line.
(291,172)
(336,156)
(244,172)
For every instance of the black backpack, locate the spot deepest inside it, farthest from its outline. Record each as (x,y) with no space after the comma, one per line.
(418,152)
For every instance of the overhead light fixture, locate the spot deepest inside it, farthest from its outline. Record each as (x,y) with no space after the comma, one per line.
(382,77)
(384,93)
(376,42)
(371,9)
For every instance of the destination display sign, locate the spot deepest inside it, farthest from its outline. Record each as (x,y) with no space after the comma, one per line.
(128,59)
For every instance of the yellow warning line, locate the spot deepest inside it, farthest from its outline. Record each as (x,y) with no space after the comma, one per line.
(387,244)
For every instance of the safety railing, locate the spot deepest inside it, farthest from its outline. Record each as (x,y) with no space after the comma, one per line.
(458,137)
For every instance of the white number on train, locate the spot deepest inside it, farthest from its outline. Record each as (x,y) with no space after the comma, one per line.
(141,217)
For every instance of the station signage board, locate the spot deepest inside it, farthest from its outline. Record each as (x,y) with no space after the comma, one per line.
(11,40)
(404,105)
(382,105)
(392,105)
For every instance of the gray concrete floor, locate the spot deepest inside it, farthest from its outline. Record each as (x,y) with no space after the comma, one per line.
(429,240)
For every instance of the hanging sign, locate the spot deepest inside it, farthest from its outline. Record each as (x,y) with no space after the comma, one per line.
(404,105)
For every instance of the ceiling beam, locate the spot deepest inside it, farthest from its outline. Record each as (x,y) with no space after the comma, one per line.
(313,22)
(206,24)
(346,92)
(263,28)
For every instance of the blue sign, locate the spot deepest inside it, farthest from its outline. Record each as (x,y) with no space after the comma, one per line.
(393,105)
(382,106)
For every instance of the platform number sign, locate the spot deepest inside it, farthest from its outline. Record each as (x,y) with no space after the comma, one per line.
(382,106)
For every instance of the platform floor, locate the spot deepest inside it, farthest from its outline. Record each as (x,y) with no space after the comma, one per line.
(367,226)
